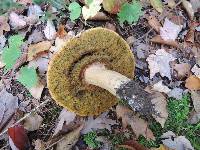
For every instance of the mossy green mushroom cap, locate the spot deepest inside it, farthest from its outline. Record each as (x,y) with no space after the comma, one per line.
(65,72)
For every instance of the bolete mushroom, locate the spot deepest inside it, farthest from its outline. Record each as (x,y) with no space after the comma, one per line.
(92,71)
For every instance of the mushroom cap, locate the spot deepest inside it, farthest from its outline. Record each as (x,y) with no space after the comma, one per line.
(65,71)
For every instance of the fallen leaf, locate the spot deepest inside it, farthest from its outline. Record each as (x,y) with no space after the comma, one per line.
(35,49)
(110,26)
(18,138)
(101,122)
(159,62)
(170,30)
(41,63)
(176,93)
(36,91)
(157,4)
(182,69)
(92,9)
(113,6)
(158,39)
(34,10)
(69,140)
(28,77)
(132,144)
(39,145)
(100,16)
(33,122)
(130,40)
(24,2)
(192,83)
(138,125)
(59,43)
(9,105)
(61,33)
(35,37)
(75,11)
(160,102)
(17,22)
(4,26)
(176,142)
(50,31)
(195,5)
(196,70)
(188,7)
(154,23)
(65,117)
(190,34)
(171,3)
(195,95)
(160,87)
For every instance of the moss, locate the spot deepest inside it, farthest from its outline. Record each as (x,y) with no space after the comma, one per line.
(64,71)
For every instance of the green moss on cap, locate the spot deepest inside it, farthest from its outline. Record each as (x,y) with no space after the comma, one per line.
(65,69)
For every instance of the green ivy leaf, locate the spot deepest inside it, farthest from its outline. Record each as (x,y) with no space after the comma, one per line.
(130,12)
(28,77)
(12,53)
(75,11)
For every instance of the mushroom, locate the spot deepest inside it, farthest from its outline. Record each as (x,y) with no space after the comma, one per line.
(91,72)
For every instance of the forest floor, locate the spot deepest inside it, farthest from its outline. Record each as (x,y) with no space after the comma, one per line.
(165,41)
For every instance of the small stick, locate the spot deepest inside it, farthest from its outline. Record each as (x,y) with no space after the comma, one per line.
(121,87)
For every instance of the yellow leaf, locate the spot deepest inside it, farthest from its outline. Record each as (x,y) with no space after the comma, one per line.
(158,5)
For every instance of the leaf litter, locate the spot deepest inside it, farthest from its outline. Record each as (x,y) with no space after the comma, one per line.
(38,25)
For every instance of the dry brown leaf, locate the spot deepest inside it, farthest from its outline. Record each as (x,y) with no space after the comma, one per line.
(159,40)
(110,26)
(160,87)
(195,95)
(160,102)
(36,91)
(4,26)
(154,23)
(65,118)
(160,63)
(24,2)
(61,33)
(188,7)
(100,16)
(192,83)
(100,122)
(132,145)
(35,49)
(33,122)
(139,126)
(16,21)
(182,69)
(170,30)
(39,145)
(69,140)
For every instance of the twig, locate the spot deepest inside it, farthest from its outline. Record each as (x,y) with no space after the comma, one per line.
(27,115)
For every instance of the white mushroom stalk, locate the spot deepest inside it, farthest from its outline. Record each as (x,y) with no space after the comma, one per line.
(97,74)
(120,86)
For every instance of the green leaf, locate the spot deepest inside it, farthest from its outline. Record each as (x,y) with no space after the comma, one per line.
(157,4)
(90,140)
(12,53)
(6,5)
(28,77)
(75,11)
(130,12)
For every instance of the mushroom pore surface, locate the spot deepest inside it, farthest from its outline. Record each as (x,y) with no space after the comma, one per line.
(64,76)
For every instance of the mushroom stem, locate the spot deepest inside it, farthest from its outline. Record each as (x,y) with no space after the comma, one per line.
(97,74)
(120,86)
